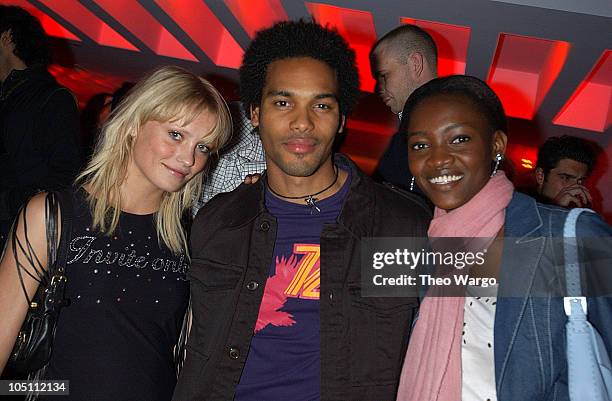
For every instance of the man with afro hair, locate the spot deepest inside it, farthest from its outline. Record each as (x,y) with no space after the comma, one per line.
(278,309)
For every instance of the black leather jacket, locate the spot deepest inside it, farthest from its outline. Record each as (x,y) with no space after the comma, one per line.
(363,340)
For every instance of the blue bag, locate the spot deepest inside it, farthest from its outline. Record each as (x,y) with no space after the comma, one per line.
(588,364)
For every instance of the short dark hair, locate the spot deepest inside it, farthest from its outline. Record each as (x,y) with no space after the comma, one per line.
(557,148)
(27,34)
(470,88)
(408,38)
(291,39)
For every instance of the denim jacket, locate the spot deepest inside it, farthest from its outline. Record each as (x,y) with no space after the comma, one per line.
(529,331)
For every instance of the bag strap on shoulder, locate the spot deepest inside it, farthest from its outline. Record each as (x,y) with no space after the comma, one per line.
(67,210)
(56,252)
(572,264)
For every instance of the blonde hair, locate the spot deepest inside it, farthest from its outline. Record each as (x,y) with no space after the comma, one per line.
(169,93)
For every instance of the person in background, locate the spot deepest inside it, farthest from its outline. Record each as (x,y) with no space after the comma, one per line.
(401,61)
(120,93)
(564,163)
(39,119)
(243,156)
(93,116)
(118,339)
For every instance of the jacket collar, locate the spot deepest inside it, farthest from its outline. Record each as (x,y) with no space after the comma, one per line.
(523,250)
(355,215)
(523,246)
(522,218)
(17,78)
(248,205)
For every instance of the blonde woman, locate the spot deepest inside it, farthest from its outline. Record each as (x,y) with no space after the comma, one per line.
(127,250)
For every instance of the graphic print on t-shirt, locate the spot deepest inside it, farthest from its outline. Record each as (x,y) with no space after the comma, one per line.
(298,276)
(284,359)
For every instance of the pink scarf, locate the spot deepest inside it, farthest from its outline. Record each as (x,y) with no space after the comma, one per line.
(432,366)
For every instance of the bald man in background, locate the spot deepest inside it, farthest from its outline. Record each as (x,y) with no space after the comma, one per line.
(401,61)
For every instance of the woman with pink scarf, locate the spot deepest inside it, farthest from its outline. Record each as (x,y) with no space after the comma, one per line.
(482,346)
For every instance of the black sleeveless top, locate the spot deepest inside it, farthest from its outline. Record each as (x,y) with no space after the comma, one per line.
(128,296)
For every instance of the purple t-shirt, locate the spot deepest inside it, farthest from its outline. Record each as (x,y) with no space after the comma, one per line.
(284,358)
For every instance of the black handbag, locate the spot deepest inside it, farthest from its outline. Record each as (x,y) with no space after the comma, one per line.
(34,345)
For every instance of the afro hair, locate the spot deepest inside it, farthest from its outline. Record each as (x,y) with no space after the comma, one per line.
(290,39)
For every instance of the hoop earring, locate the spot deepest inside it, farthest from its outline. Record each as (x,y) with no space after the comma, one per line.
(498,159)
(412,184)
